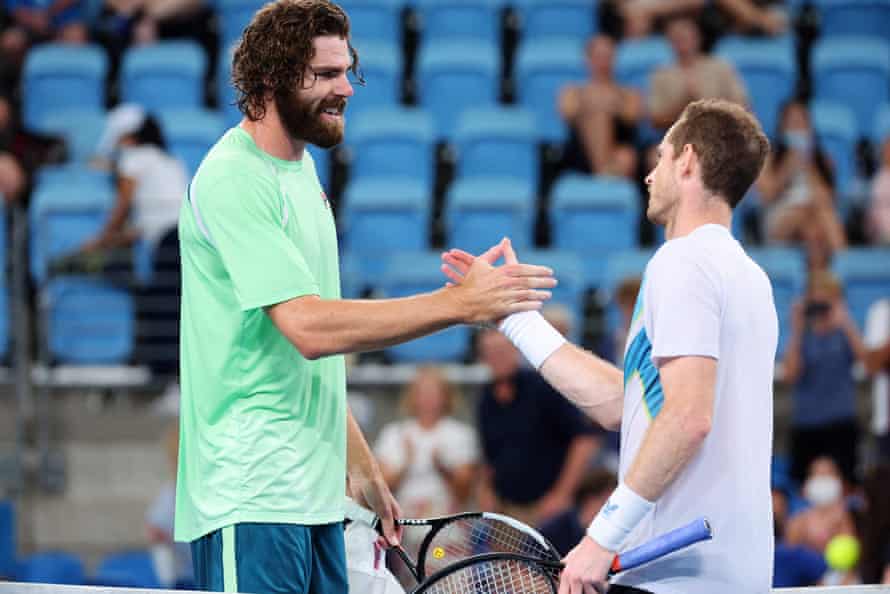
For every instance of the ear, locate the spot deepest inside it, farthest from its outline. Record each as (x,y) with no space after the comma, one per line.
(688,161)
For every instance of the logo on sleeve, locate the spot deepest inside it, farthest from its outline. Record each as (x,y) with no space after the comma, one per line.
(609,508)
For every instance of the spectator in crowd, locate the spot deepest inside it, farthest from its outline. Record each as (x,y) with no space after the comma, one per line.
(38,21)
(828,515)
(695,75)
(626,299)
(172,560)
(877,363)
(429,458)
(795,566)
(124,23)
(796,190)
(565,530)
(874,565)
(818,362)
(639,18)
(602,115)
(13,179)
(150,187)
(878,217)
(747,17)
(535,444)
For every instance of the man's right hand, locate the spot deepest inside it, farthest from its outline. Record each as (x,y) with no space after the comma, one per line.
(487,293)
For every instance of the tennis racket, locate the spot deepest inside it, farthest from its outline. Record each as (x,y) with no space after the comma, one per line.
(455,537)
(506,573)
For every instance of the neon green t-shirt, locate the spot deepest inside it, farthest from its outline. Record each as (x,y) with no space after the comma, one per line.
(262,429)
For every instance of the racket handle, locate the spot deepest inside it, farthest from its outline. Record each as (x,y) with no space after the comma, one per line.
(660,546)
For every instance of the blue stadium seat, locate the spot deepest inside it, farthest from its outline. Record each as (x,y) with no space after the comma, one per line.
(590,214)
(853,71)
(835,126)
(497,142)
(384,215)
(568,268)
(190,133)
(392,142)
(373,20)
(409,273)
(865,274)
(81,129)
(768,69)
(8,539)
(620,266)
(557,19)
(637,59)
(66,209)
(225,92)
(51,567)
(449,21)
(543,68)
(352,282)
(89,321)
(481,210)
(234,15)
(786,269)
(454,77)
(322,159)
(881,129)
(381,65)
(168,74)
(854,17)
(62,76)
(130,569)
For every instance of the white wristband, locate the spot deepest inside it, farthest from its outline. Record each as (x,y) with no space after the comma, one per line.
(535,338)
(618,517)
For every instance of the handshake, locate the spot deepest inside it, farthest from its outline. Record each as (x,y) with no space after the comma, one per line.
(485,293)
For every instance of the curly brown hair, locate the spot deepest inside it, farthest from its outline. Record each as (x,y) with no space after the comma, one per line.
(276,47)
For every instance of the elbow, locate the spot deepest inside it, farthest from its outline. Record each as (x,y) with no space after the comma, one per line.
(696,428)
(309,346)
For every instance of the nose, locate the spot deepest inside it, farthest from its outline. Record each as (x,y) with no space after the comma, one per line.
(345,88)
(648,179)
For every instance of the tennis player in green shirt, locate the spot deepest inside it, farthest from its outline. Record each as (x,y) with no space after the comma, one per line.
(268,445)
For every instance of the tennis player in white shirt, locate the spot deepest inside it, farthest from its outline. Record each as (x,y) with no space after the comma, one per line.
(694,401)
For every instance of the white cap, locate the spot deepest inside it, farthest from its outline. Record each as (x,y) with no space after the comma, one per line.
(124,119)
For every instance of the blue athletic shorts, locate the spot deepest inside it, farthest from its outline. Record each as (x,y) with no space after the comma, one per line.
(272,558)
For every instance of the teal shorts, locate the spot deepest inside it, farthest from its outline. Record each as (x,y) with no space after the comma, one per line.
(272,558)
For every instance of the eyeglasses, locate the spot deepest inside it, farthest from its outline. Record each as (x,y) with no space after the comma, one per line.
(356,78)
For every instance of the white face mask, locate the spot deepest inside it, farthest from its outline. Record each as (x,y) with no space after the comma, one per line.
(822,490)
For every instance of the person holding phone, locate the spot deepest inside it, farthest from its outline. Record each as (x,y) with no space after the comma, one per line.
(825,344)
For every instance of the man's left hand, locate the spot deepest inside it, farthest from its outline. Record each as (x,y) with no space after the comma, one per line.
(586,569)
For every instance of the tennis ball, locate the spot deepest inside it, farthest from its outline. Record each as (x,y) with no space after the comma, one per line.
(842,552)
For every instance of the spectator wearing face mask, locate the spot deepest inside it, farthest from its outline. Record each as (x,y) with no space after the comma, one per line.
(827,515)
(818,365)
(796,190)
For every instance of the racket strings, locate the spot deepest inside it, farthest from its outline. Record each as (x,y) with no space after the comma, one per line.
(497,576)
(466,537)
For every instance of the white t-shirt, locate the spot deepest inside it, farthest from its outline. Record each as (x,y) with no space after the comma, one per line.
(703,296)
(877,333)
(161,183)
(423,491)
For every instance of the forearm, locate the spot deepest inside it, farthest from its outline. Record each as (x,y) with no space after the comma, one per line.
(360,462)
(860,353)
(319,328)
(164,9)
(877,359)
(791,363)
(671,442)
(595,386)
(575,465)
(743,11)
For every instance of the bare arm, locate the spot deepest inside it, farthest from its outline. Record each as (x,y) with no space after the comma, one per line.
(320,327)
(366,481)
(631,109)
(594,385)
(792,363)
(878,358)
(114,231)
(681,427)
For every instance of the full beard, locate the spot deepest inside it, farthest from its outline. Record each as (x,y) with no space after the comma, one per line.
(304,121)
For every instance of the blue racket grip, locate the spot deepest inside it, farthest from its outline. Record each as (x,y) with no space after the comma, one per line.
(696,531)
